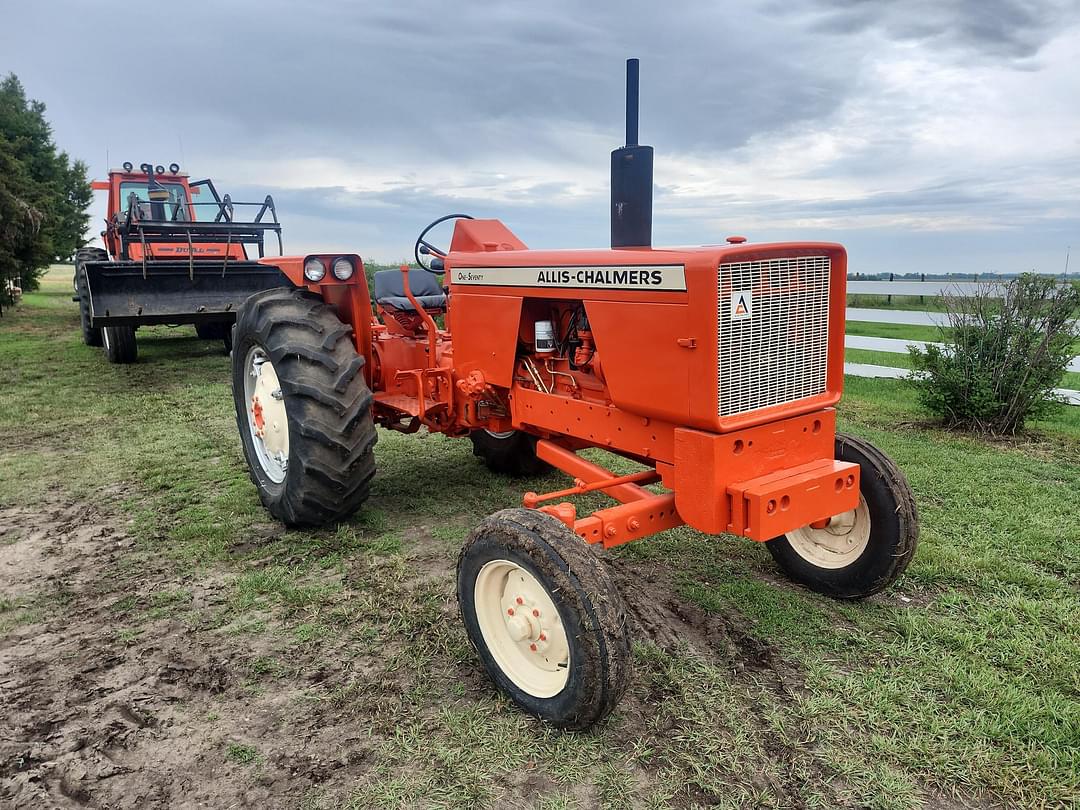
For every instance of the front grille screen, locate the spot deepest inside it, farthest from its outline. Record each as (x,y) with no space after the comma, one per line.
(773,332)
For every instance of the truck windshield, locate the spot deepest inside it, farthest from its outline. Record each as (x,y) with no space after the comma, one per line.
(177,194)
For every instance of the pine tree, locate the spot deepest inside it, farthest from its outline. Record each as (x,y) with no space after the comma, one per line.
(44,196)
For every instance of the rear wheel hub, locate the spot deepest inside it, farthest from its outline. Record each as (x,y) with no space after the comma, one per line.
(267,419)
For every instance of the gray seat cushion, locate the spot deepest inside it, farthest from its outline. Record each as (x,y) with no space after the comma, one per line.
(390,290)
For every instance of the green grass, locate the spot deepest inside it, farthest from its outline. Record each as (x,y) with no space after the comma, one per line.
(241,754)
(961,682)
(913,302)
(893,330)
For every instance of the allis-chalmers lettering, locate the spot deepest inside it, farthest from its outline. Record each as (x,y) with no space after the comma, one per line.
(608,278)
(657,277)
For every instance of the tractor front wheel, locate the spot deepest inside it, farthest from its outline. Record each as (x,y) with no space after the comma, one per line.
(861,552)
(545,618)
(512,452)
(303,407)
(120,345)
(90,336)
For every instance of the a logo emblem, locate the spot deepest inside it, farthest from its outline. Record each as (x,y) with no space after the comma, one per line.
(742,305)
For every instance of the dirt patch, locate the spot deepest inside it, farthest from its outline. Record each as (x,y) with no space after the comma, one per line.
(112,703)
(44,548)
(671,623)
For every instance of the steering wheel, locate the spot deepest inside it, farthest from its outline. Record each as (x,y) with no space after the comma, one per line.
(425,248)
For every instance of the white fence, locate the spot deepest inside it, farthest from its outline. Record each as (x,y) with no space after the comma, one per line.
(912,318)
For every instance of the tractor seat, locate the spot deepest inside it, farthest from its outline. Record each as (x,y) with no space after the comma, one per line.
(390,291)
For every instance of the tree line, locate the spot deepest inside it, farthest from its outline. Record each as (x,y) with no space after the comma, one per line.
(44,194)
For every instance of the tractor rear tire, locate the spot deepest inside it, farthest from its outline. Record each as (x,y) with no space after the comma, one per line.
(545,617)
(512,453)
(120,344)
(864,551)
(329,441)
(90,336)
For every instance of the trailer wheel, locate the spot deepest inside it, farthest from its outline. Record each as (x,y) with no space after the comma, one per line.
(512,452)
(303,407)
(863,551)
(216,330)
(545,618)
(90,336)
(120,345)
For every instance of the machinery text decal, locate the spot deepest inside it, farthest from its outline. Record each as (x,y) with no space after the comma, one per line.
(608,277)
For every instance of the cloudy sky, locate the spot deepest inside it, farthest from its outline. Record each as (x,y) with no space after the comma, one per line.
(924,134)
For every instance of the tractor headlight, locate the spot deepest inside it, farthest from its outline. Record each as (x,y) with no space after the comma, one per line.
(314,270)
(342,269)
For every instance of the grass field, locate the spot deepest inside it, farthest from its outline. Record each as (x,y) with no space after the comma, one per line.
(174,645)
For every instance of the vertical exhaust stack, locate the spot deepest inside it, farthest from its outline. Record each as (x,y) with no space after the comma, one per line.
(631,177)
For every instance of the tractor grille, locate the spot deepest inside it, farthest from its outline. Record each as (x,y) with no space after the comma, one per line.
(779,351)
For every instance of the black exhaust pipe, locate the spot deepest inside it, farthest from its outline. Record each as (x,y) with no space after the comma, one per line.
(631,177)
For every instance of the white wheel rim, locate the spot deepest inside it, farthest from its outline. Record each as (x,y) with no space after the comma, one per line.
(506,434)
(267,420)
(522,628)
(837,544)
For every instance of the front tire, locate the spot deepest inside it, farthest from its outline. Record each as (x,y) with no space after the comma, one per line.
(545,618)
(90,336)
(512,453)
(120,344)
(861,552)
(303,408)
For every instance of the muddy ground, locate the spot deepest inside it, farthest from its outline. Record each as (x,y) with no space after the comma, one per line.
(99,717)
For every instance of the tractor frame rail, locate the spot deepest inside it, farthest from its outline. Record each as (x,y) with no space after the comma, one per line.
(760,508)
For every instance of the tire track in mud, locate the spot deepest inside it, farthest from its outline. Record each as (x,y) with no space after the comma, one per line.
(94,721)
(758,669)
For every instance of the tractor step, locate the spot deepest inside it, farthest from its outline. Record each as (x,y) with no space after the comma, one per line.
(129,293)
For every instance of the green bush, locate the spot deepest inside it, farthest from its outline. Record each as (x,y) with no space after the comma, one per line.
(1002,357)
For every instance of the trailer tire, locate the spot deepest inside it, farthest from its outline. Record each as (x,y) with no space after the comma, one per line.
(882,532)
(329,435)
(565,599)
(512,453)
(216,330)
(90,336)
(120,344)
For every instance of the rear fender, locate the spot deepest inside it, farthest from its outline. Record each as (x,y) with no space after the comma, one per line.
(350,298)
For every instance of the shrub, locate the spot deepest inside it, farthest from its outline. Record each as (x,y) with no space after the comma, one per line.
(1002,357)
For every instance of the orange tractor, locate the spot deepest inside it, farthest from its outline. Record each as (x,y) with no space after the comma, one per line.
(170,259)
(716,369)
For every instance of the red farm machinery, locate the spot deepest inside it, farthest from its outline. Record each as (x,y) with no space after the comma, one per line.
(716,369)
(170,258)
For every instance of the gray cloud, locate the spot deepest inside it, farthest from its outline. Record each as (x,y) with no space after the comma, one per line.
(1011,29)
